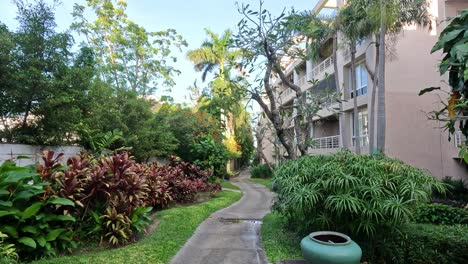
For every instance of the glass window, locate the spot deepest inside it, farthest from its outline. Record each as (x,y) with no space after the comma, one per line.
(361,80)
(363,122)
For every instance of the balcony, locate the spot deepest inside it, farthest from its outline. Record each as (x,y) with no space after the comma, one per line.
(460,139)
(324,67)
(332,142)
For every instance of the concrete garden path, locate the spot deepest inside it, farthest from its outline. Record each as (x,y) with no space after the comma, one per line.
(231,235)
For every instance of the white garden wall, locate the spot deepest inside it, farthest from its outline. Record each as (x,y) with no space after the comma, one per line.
(11,151)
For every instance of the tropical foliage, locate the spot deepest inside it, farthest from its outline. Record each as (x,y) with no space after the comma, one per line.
(440,214)
(420,243)
(452,42)
(224,97)
(35,221)
(356,194)
(261,171)
(111,196)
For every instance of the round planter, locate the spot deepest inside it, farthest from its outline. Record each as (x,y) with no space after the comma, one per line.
(327,247)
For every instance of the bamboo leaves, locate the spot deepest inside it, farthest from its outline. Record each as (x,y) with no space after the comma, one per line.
(356,194)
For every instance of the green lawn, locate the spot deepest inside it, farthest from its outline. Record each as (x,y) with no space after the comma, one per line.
(279,243)
(266,182)
(175,227)
(228,184)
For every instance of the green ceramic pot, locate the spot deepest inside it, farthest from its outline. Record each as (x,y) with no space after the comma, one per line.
(327,247)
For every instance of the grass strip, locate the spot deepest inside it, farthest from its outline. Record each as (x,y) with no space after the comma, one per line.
(267,182)
(279,243)
(176,226)
(228,185)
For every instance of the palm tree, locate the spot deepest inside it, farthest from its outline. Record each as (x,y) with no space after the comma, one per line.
(214,53)
(381,18)
(353,24)
(394,15)
(217,53)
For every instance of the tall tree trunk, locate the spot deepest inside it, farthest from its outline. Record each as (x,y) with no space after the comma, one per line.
(337,85)
(260,153)
(373,96)
(272,112)
(381,116)
(357,136)
(26,114)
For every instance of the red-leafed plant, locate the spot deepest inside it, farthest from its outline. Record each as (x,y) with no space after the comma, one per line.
(115,194)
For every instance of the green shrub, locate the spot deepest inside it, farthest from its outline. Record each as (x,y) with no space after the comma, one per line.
(354,194)
(440,214)
(261,171)
(34,221)
(456,190)
(420,244)
(210,154)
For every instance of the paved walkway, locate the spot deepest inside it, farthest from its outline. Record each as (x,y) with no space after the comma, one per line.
(231,235)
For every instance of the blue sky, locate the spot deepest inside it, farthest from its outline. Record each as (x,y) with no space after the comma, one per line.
(189,18)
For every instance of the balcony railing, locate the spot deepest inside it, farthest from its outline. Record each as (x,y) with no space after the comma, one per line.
(327,142)
(460,139)
(324,65)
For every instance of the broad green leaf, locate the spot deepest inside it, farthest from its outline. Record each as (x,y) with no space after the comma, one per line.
(17,176)
(61,201)
(30,229)
(27,241)
(52,235)
(446,38)
(41,241)
(4,192)
(64,218)
(6,203)
(31,210)
(24,195)
(10,230)
(3,213)
(43,225)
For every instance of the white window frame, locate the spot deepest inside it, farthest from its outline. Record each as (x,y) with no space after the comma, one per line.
(363,120)
(361,80)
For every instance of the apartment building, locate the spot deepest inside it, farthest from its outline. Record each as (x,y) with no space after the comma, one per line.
(410,135)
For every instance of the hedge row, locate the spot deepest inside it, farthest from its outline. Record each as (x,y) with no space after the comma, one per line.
(421,244)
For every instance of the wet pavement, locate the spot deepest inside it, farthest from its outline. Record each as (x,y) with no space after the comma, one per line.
(231,235)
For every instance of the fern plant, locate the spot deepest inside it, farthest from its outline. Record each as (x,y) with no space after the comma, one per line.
(355,194)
